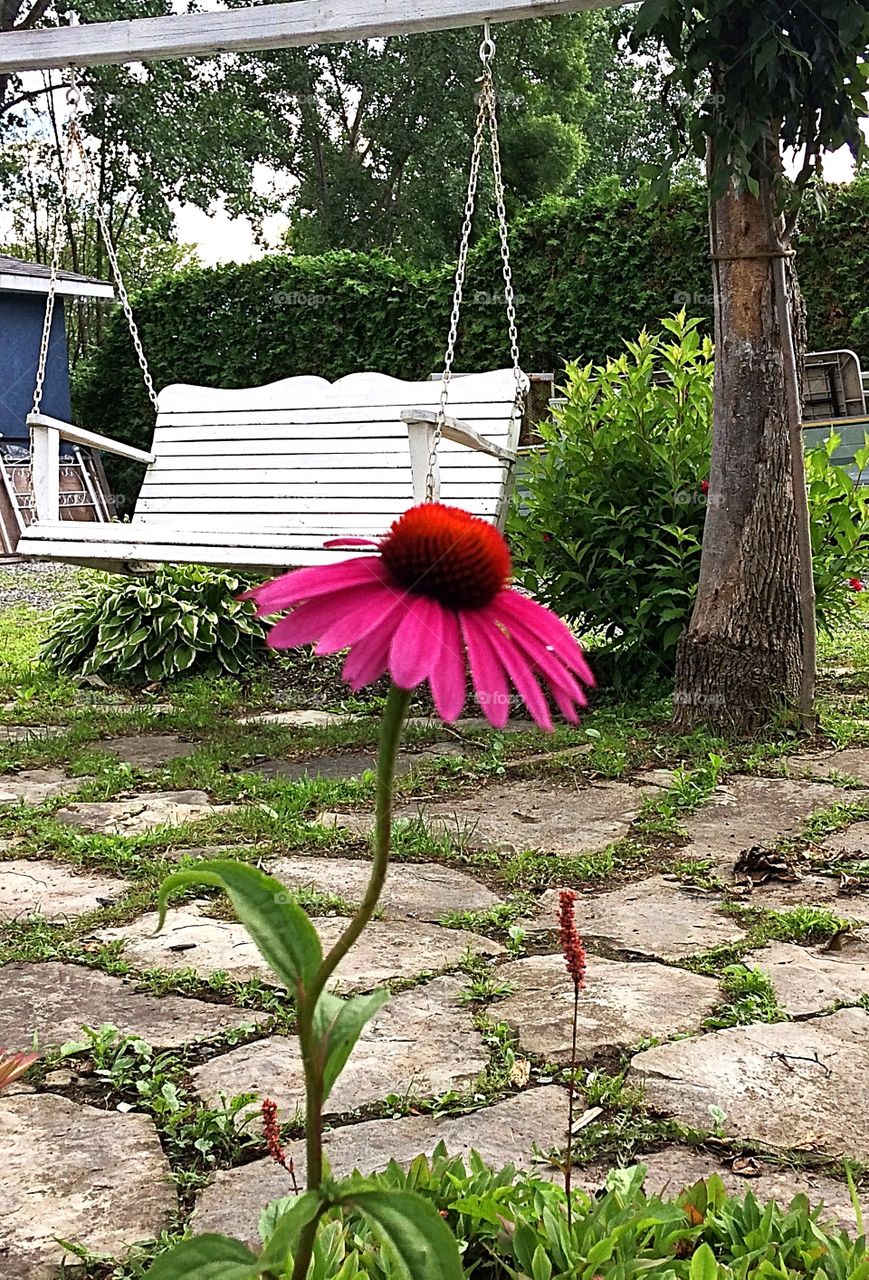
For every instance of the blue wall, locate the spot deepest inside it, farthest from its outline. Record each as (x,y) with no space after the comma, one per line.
(21,316)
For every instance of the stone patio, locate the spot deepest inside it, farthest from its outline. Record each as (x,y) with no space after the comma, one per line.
(52,890)
(146,751)
(756,811)
(388,950)
(422,1043)
(110,1190)
(791,1086)
(140,814)
(524,815)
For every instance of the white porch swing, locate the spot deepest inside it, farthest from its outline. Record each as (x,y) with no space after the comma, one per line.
(260,478)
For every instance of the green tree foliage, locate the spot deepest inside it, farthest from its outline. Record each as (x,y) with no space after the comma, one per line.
(376,134)
(778,74)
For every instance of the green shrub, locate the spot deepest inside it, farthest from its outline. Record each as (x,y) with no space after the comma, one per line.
(612,523)
(609,533)
(839,510)
(185,620)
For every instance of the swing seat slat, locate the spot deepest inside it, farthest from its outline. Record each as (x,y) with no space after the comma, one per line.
(259,479)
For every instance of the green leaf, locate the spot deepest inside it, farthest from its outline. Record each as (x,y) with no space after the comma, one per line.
(207,1257)
(418,1234)
(283,934)
(338,1024)
(703,1265)
(286,1230)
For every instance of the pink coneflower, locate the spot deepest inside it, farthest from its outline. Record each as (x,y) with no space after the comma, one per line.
(13,1066)
(432,603)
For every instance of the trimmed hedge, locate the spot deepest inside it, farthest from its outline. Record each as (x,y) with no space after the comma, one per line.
(589,271)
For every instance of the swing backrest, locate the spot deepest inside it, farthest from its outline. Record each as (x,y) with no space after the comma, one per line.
(313,459)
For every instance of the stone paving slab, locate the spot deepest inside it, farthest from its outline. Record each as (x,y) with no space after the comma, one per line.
(472,724)
(299,719)
(351,764)
(809,891)
(418,890)
(852,762)
(54,1001)
(854,840)
(386,950)
(674,1169)
(790,1085)
(622,1004)
(146,750)
(29,732)
(35,786)
(54,891)
(423,1043)
(139,814)
(75,1173)
(506,1133)
(808,982)
(755,811)
(532,815)
(655,919)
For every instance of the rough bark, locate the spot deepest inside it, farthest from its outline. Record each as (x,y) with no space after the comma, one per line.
(740,661)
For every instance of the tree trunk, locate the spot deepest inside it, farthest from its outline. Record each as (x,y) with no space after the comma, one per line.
(742,658)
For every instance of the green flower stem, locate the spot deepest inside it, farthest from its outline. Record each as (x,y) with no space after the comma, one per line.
(313,1054)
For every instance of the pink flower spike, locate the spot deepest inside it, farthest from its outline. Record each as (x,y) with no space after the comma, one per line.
(433,604)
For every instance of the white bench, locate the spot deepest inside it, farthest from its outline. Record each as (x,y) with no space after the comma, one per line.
(260,479)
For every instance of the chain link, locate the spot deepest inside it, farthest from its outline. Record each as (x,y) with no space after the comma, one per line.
(487,113)
(75,141)
(72,98)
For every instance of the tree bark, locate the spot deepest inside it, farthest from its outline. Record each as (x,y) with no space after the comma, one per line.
(742,658)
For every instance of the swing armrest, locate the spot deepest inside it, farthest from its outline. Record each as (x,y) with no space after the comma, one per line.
(89,439)
(457,431)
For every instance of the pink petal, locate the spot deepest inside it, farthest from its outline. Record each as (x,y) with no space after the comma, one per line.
(351,542)
(543,658)
(369,657)
(304,584)
(310,620)
(565,704)
(417,642)
(487,672)
(520,673)
(363,611)
(551,630)
(447,676)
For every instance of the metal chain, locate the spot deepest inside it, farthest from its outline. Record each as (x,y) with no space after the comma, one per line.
(74,140)
(486,114)
(92,189)
(51,296)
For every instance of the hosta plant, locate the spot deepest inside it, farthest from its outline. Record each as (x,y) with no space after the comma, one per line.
(184,620)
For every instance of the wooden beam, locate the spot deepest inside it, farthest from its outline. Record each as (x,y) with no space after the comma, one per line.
(260,27)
